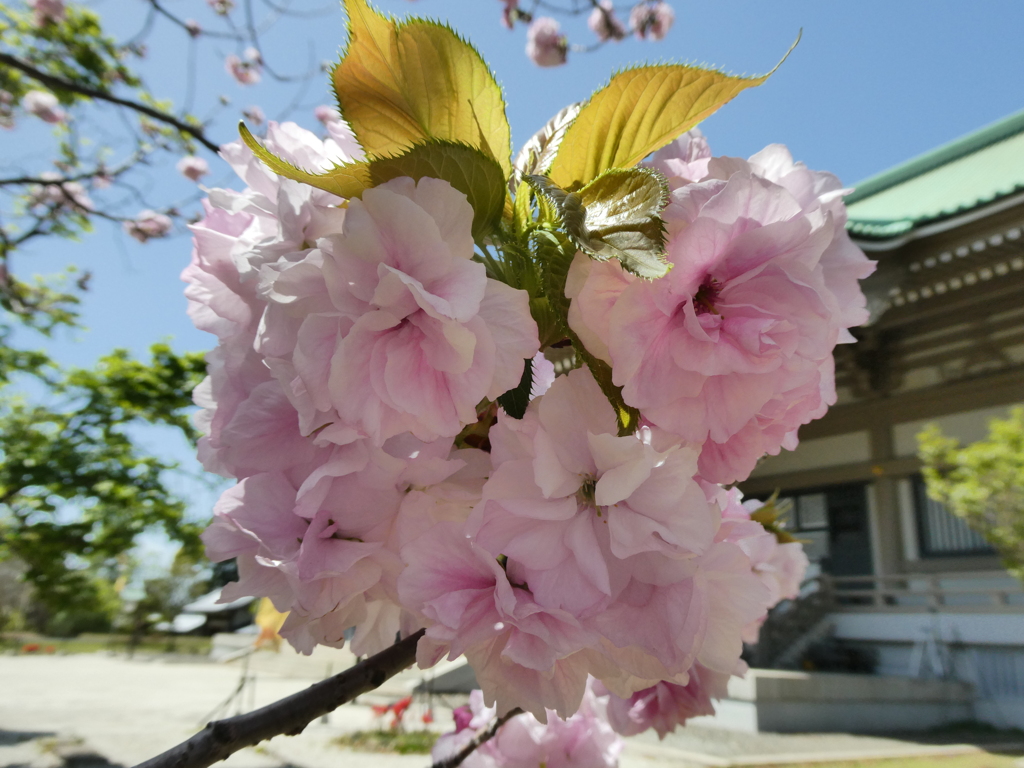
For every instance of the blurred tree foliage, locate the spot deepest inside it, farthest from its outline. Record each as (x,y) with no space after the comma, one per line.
(76,488)
(982,483)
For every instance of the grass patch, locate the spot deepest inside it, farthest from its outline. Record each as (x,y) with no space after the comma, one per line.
(400,742)
(978,760)
(31,643)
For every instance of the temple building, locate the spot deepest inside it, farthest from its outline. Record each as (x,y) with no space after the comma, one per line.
(901,579)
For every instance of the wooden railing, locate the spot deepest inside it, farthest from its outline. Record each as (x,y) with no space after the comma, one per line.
(915,592)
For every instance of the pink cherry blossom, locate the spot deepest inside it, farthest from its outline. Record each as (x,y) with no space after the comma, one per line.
(666,705)
(523,654)
(545,44)
(780,567)
(69,194)
(509,13)
(576,501)
(193,28)
(148,225)
(338,130)
(247,69)
(732,350)
(409,334)
(221,7)
(843,263)
(254,114)
(603,22)
(192,167)
(583,740)
(685,160)
(43,105)
(470,720)
(606,537)
(47,11)
(319,539)
(250,424)
(651,18)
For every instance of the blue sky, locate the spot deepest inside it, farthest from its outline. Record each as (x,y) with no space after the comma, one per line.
(870,85)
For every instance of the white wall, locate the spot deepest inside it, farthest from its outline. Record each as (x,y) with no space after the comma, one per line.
(821,452)
(967,427)
(1005,629)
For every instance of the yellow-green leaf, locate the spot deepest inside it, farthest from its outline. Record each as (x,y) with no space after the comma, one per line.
(638,112)
(539,151)
(618,215)
(475,174)
(400,83)
(343,180)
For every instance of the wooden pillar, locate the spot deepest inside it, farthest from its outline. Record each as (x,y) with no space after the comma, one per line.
(887,536)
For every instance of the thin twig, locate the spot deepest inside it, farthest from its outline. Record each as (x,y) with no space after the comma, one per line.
(290,715)
(66,85)
(480,739)
(158,8)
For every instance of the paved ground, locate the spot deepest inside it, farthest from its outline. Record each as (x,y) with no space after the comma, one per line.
(99,711)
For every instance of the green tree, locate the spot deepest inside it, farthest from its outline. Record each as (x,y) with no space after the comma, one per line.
(982,483)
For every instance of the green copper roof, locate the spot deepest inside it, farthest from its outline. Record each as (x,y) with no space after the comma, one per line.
(964,174)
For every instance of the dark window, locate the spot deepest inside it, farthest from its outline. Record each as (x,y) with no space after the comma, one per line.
(940,533)
(833,523)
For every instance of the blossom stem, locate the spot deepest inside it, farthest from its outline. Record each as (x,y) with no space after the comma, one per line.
(482,738)
(290,715)
(66,85)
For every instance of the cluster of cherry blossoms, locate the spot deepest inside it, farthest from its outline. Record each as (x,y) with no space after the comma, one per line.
(584,740)
(406,457)
(548,46)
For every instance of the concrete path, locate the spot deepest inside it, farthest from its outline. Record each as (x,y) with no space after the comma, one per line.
(99,711)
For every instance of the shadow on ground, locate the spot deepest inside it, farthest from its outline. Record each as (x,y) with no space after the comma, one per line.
(10,738)
(54,751)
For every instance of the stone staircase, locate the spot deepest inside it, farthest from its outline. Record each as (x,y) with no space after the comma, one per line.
(792,627)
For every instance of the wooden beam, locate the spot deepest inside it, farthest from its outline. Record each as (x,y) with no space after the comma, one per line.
(1004,388)
(862,471)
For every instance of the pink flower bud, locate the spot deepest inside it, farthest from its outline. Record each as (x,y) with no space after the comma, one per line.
(192,167)
(509,13)
(43,105)
(604,24)
(148,225)
(545,45)
(221,7)
(193,28)
(651,18)
(245,71)
(326,114)
(254,115)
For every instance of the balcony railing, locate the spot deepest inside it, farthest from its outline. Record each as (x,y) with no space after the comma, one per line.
(987,592)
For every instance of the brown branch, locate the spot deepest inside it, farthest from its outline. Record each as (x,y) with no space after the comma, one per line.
(290,715)
(83,90)
(481,738)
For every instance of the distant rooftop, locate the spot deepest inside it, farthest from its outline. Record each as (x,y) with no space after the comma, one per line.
(955,178)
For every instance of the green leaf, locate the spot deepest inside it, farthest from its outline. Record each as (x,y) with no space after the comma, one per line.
(556,255)
(343,180)
(400,83)
(638,112)
(768,516)
(476,175)
(516,400)
(627,416)
(539,151)
(618,215)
